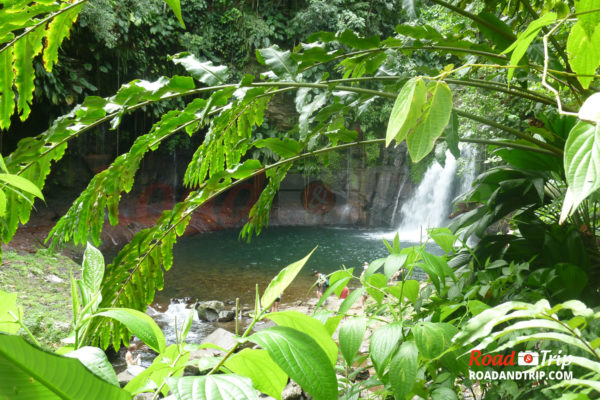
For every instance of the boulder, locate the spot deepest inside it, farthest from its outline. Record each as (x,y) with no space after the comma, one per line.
(209,310)
(221,338)
(292,392)
(226,316)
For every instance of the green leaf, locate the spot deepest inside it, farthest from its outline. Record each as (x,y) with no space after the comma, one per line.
(7,96)
(278,285)
(524,39)
(58,29)
(393,263)
(588,21)
(383,344)
(311,326)
(350,300)
(168,363)
(444,238)
(280,62)
(584,53)
(21,183)
(212,387)
(301,358)
(411,290)
(36,374)
(476,307)
(407,110)
(451,134)
(257,365)
(2,203)
(8,304)
(500,40)
(590,110)
(176,7)
(96,361)
(205,72)
(435,116)
(140,324)
(93,269)
(25,51)
(429,338)
(582,165)
(403,370)
(284,148)
(352,332)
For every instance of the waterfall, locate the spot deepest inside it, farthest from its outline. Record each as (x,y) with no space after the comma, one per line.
(397,201)
(430,205)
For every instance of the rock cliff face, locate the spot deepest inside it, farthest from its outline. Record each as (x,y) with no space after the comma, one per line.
(354,196)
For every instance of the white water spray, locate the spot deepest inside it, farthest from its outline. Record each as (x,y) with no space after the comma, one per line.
(430,205)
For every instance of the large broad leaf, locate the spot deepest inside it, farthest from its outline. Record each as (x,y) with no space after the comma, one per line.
(176,7)
(451,134)
(212,387)
(351,336)
(8,308)
(282,281)
(96,361)
(433,121)
(590,110)
(444,238)
(403,369)
(429,338)
(258,366)
(301,358)
(501,36)
(524,39)
(582,165)
(93,269)
(280,62)
(383,344)
(311,326)
(583,52)
(205,71)
(140,324)
(29,373)
(407,110)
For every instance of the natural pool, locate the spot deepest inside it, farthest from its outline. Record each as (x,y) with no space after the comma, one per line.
(219,266)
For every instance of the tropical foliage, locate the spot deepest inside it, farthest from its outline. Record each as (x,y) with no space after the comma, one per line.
(543,189)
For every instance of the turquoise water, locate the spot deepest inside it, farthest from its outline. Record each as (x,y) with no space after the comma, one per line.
(218,266)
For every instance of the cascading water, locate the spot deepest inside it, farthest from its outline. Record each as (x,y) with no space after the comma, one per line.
(430,205)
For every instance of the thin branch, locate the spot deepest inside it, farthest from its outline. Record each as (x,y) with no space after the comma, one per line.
(545,73)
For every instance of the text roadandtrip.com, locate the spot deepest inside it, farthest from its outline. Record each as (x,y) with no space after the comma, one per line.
(525,359)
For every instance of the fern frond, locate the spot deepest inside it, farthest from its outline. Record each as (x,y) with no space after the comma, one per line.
(33,156)
(228,137)
(86,215)
(30,24)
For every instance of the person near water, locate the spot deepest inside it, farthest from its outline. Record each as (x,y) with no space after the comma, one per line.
(275,306)
(322,283)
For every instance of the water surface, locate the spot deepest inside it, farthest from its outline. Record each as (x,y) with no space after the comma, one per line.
(219,266)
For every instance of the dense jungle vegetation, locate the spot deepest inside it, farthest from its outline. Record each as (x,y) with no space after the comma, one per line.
(517,77)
